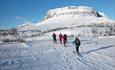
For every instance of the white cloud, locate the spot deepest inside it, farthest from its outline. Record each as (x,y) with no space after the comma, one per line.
(21,18)
(25,20)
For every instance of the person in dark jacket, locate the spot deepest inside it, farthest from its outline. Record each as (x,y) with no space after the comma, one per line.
(77,44)
(54,38)
(60,38)
(65,39)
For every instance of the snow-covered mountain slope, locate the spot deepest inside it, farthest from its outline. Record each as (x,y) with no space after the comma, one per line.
(73,10)
(28,30)
(69,21)
(75,14)
(41,53)
(26,26)
(74,18)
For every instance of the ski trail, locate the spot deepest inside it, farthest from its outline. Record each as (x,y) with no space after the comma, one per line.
(89,62)
(70,57)
(104,62)
(45,55)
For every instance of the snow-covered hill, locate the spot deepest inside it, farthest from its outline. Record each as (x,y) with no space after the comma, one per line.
(77,18)
(27,26)
(80,20)
(73,10)
(28,30)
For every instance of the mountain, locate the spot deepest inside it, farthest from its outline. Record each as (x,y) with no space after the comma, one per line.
(80,20)
(28,29)
(27,26)
(73,10)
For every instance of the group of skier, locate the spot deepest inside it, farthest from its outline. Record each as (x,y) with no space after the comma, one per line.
(63,39)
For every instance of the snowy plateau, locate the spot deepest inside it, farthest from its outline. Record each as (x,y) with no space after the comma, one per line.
(30,46)
(78,20)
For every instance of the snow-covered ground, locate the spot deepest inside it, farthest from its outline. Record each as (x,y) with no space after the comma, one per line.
(40,53)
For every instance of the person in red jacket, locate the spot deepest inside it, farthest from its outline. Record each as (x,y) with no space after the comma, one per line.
(60,38)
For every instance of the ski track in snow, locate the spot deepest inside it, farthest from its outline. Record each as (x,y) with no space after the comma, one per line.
(45,55)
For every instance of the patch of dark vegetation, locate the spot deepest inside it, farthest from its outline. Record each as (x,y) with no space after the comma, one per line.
(13,40)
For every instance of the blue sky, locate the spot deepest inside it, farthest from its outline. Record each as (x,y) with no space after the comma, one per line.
(16,12)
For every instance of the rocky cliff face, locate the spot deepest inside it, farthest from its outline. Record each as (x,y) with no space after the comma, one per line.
(73,10)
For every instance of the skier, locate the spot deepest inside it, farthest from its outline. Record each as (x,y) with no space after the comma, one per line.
(60,38)
(54,38)
(65,39)
(77,44)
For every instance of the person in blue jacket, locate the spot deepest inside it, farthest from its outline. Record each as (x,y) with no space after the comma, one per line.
(77,44)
